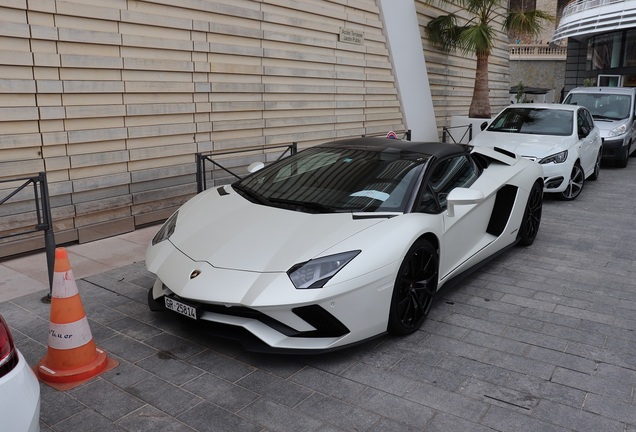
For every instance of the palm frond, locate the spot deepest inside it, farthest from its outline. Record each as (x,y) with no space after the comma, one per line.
(527,22)
(477,39)
(482,7)
(444,32)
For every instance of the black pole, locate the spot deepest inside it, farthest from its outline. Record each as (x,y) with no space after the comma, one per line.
(199,182)
(49,236)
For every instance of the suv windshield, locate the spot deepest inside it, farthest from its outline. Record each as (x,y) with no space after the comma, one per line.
(329,179)
(602,106)
(534,121)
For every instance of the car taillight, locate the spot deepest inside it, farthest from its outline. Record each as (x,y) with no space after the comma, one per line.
(8,354)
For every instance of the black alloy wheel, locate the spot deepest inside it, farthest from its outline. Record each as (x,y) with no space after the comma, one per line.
(531,216)
(414,290)
(575,184)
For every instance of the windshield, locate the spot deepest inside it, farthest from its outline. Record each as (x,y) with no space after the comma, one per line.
(534,121)
(602,106)
(323,180)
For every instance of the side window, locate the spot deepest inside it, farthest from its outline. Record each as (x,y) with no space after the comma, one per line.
(584,127)
(447,175)
(590,120)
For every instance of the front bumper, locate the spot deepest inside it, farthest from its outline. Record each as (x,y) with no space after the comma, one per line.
(556,176)
(268,309)
(268,329)
(615,149)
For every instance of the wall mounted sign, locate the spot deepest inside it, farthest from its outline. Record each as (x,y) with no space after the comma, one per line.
(355,37)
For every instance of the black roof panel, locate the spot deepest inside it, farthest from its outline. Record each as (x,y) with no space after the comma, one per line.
(380,144)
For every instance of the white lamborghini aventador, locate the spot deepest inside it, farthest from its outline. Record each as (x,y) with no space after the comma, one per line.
(341,242)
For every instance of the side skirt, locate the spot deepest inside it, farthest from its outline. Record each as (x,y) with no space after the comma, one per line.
(455,280)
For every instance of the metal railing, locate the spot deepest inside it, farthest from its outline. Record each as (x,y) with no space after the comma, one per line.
(581,5)
(44,221)
(202,160)
(406,135)
(447,132)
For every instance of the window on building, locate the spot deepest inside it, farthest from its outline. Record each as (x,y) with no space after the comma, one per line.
(606,51)
(629,59)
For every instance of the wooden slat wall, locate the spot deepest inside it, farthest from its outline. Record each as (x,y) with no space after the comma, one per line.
(452,75)
(113,97)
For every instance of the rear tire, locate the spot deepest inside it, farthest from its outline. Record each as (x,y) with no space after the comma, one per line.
(529,227)
(415,286)
(597,165)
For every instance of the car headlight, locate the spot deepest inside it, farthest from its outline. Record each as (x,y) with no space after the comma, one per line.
(555,158)
(316,273)
(166,230)
(619,130)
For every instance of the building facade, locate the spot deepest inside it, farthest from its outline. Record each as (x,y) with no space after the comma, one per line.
(601,48)
(113,98)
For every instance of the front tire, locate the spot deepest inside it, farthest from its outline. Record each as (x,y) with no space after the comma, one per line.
(575,184)
(622,163)
(414,289)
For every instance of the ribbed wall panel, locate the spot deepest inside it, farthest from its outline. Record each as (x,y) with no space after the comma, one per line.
(113,98)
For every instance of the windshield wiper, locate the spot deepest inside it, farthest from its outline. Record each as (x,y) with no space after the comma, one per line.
(602,117)
(307,205)
(251,195)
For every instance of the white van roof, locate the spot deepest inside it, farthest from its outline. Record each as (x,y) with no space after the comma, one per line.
(610,90)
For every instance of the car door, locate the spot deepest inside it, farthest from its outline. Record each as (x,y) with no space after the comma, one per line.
(464,232)
(588,137)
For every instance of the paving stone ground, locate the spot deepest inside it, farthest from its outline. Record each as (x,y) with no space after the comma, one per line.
(541,339)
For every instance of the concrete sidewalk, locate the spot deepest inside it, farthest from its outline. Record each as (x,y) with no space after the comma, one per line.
(541,339)
(29,274)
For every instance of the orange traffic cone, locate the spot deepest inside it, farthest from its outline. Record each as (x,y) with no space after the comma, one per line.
(72,355)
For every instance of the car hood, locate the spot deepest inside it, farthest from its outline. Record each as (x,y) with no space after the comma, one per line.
(230,232)
(538,146)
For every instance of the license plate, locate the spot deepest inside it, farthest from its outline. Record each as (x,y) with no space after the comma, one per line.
(180,308)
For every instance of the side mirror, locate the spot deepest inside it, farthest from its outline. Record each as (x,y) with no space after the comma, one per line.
(483,126)
(462,196)
(255,166)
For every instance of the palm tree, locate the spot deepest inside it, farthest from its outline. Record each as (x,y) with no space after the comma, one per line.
(477,36)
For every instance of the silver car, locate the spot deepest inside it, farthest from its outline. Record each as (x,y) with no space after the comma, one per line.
(614,112)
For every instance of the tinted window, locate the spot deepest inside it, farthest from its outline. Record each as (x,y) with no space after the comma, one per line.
(331,179)
(585,127)
(534,121)
(447,175)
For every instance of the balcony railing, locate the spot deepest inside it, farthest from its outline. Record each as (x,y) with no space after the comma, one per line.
(581,5)
(536,52)
(590,17)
